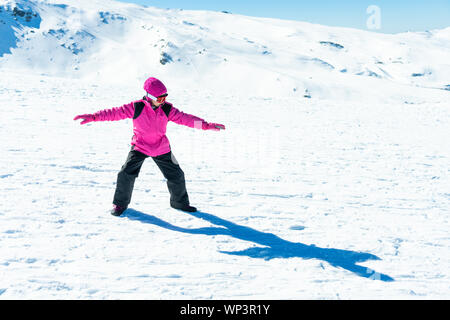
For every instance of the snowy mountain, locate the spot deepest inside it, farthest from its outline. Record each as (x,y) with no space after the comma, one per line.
(331,180)
(124,42)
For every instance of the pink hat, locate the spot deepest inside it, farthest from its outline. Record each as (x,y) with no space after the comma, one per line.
(155,87)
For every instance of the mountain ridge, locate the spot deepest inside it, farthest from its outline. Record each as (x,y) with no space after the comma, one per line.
(107,40)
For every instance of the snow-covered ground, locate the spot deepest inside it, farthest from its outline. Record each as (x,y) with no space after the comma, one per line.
(326,184)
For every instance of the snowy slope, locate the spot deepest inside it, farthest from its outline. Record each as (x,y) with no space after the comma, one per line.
(330,182)
(102,39)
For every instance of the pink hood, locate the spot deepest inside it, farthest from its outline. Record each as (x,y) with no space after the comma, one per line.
(155,87)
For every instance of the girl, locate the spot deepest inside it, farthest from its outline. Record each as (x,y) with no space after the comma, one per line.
(150,118)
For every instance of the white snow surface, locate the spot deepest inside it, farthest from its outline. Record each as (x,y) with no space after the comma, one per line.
(331,180)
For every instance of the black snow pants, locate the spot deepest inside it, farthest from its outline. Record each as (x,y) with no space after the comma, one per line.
(169,168)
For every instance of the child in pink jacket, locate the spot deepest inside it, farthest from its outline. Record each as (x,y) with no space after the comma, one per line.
(150,118)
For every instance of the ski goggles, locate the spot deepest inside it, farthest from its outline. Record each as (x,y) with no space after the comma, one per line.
(162,98)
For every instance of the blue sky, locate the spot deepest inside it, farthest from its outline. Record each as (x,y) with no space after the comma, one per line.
(393,15)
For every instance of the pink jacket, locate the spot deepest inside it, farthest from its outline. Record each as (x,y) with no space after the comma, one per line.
(150,126)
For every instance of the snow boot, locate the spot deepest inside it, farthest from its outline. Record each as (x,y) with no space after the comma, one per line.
(185,208)
(117,210)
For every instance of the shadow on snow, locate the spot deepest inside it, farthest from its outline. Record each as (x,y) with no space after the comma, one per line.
(274,247)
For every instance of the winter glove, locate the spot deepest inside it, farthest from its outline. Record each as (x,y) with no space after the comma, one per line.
(212,126)
(86,118)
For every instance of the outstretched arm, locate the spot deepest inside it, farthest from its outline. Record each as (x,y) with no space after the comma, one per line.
(192,121)
(115,114)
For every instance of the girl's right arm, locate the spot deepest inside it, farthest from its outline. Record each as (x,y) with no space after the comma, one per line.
(115,114)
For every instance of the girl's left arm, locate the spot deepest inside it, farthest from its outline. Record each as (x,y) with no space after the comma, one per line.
(192,121)
(185,119)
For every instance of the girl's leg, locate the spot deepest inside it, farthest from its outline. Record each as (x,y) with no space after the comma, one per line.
(127,176)
(175,179)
